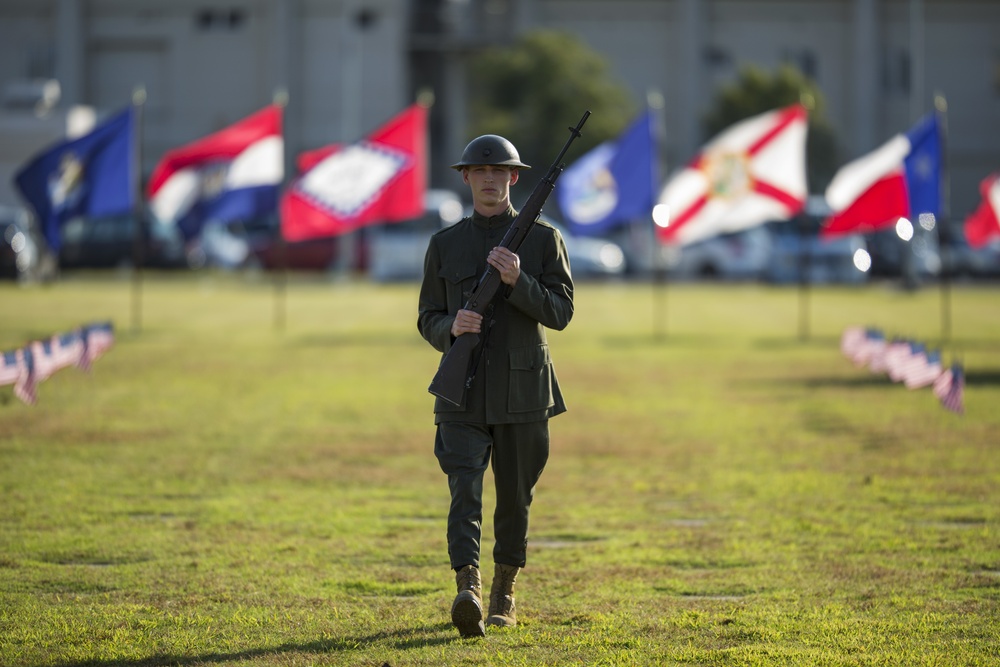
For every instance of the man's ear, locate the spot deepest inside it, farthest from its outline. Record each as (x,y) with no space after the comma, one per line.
(465,175)
(513,176)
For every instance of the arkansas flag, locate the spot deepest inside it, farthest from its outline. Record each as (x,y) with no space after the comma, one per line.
(379,179)
(232,174)
(900,179)
(984,223)
(612,183)
(753,172)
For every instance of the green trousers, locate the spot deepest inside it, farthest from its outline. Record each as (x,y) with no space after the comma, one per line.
(518,453)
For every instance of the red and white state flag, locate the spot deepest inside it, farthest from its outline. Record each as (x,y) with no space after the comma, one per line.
(751,173)
(379,179)
(984,223)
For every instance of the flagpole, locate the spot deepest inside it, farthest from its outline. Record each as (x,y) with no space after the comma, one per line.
(805,254)
(655,104)
(281,270)
(805,259)
(944,235)
(139,235)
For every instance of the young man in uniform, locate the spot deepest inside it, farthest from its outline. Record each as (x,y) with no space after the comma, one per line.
(503,420)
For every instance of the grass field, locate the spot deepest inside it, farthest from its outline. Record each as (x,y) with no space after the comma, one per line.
(222,490)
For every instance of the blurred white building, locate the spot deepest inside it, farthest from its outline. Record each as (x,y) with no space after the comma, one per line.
(349,65)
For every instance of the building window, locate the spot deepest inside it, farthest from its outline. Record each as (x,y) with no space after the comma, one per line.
(219,19)
(804,60)
(896,71)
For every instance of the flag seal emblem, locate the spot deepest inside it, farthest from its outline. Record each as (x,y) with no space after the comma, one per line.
(66,182)
(728,175)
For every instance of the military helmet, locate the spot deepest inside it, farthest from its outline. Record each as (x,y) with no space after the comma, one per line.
(490,149)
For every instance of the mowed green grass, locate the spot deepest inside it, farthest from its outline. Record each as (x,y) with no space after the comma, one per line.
(221,490)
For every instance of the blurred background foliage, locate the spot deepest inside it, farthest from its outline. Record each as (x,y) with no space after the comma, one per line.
(531,91)
(756,91)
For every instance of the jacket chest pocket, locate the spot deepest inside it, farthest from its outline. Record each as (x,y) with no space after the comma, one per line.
(530,379)
(460,281)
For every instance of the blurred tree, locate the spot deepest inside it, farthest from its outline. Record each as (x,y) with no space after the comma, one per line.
(533,90)
(756,91)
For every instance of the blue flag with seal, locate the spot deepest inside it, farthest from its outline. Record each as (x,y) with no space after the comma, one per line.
(87,176)
(612,183)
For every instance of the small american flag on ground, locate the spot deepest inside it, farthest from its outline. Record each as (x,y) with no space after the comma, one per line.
(872,346)
(9,369)
(851,340)
(898,356)
(878,361)
(43,361)
(66,350)
(924,370)
(949,388)
(26,385)
(98,338)
(40,359)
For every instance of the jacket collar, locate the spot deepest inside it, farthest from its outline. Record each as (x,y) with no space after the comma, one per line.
(497,221)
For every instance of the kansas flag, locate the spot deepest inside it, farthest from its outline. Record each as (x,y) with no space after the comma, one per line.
(611,184)
(88,176)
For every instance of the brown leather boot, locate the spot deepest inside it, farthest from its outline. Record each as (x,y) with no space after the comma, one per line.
(501,613)
(467,609)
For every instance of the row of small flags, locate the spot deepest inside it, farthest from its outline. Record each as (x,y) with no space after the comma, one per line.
(26,367)
(906,361)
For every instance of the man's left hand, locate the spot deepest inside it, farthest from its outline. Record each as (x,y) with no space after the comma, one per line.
(507,263)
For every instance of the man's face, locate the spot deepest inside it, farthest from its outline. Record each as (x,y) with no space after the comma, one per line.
(490,184)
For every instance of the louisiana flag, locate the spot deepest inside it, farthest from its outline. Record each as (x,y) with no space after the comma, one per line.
(381,178)
(232,174)
(613,183)
(751,173)
(90,176)
(900,179)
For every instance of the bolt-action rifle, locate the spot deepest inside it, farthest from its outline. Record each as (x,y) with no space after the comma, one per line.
(456,372)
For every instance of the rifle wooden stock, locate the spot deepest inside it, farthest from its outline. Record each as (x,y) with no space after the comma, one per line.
(455,374)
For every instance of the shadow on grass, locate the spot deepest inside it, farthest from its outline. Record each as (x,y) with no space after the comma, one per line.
(973,378)
(399,639)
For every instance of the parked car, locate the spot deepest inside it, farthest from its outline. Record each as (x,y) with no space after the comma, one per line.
(890,252)
(592,257)
(800,254)
(272,252)
(23,256)
(110,242)
(962,260)
(257,243)
(742,255)
(396,250)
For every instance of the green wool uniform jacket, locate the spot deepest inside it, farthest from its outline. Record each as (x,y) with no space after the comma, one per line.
(515,381)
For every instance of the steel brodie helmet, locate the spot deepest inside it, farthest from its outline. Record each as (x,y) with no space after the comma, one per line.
(490,149)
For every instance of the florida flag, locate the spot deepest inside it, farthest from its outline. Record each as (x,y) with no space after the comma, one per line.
(232,174)
(984,223)
(379,179)
(753,172)
(612,183)
(900,179)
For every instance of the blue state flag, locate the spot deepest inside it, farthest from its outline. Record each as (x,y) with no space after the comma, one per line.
(612,183)
(88,176)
